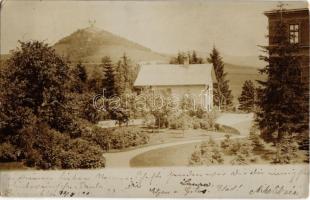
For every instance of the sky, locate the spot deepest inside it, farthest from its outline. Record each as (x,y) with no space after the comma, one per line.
(234,27)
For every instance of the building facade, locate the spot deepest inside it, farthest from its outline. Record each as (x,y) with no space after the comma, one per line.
(297,21)
(191,81)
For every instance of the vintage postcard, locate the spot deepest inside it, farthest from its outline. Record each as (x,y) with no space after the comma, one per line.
(205,99)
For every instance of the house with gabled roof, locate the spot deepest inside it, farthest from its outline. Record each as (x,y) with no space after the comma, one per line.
(194,80)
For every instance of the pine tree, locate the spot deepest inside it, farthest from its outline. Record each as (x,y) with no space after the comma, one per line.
(191,57)
(126,75)
(109,78)
(79,78)
(222,94)
(95,80)
(179,59)
(195,59)
(247,98)
(282,108)
(81,72)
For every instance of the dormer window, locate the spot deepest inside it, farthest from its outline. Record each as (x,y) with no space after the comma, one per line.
(294,33)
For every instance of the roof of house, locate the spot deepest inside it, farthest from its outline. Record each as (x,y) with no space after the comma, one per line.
(171,74)
(287,11)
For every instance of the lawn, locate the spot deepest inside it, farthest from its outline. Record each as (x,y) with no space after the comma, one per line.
(179,155)
(169,156)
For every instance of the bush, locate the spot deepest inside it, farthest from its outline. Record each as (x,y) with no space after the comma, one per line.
(187,104)
(149,120)
(46,148)
(185,120)
(226,142)
(98,136)
(45,151)
(81,154)
(257,142)
(117,138)
(125,137)
(208,153)
(197,112)
(208,120)
(243,152)
(182,121)
(161,112)
(70,160)
(172,120)
(286,151)
(8,152)
(196,123)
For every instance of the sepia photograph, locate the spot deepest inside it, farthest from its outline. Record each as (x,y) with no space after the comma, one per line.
(96,91)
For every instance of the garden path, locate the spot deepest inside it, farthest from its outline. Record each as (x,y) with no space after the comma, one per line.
(241,122)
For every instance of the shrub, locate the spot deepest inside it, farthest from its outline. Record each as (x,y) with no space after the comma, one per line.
(83,155)
(47,148)
(34,159)
(286,151)
(197,112)
(196,123)
(182,121)
(70,160)
(243,152)
(205,124)
(45,151)
(125,137)
(149,120)
(230,147)
(98,136)
(208,153)
(8,152)
(208,120)
(239,159)
(161,112)
(196,158)
(257,142)
(172,120)
(117,138)
(226,142)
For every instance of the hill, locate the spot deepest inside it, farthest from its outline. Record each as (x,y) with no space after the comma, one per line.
(91,44)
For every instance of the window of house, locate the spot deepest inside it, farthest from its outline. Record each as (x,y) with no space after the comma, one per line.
(294,33)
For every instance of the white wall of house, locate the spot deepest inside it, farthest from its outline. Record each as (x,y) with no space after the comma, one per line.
(201,94)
